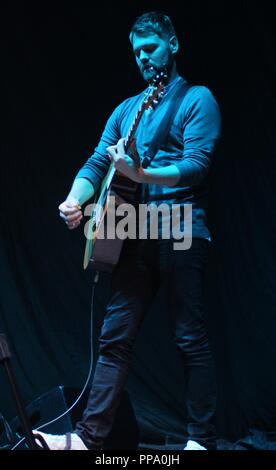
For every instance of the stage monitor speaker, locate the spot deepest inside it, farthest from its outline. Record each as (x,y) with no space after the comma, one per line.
(124,433)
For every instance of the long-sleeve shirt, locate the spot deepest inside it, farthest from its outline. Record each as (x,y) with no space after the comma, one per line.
(190,146)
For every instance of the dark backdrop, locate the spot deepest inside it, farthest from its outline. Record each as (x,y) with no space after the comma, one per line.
(63,70)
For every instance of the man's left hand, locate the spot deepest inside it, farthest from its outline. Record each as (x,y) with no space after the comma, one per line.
(123,163)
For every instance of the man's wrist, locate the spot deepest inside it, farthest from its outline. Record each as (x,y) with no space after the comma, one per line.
(166,176)
(141,175)
(73,201)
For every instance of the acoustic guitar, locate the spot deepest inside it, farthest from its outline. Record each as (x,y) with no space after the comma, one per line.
(103,252)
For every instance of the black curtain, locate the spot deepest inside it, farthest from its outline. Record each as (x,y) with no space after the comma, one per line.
(63,70)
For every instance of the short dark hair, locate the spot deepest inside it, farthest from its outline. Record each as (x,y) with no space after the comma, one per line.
(153,22)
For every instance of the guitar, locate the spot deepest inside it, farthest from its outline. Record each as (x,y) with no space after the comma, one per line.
(102,252)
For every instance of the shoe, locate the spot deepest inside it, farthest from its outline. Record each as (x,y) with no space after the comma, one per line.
(68,441)
(193,445)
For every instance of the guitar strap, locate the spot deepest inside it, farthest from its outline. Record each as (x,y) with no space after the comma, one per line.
(165,125)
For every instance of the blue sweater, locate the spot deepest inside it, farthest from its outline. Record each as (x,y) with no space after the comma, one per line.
(190,146)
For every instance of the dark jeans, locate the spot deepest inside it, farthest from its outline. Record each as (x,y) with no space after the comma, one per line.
(146,265)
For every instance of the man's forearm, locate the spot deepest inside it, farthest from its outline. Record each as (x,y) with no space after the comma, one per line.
(82,190)
(167,176)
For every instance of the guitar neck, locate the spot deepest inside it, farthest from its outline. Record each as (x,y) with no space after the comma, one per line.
(152,96)
(133,127)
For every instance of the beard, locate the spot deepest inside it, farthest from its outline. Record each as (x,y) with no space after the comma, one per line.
(150,72)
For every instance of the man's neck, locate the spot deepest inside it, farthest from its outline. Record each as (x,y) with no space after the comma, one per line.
(173,74)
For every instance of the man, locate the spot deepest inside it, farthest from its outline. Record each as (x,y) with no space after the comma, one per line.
(178,174)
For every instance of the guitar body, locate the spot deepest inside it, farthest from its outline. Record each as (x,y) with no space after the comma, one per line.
(105,254)
(102,252)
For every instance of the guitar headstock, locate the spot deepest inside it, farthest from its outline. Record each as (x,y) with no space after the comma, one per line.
(155,90)
(160,77)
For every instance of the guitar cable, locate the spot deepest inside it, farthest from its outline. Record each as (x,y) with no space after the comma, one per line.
(94,283)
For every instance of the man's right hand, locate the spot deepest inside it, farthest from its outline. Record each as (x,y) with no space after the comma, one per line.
(70,212)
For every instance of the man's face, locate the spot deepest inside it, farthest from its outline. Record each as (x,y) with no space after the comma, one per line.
(152,51)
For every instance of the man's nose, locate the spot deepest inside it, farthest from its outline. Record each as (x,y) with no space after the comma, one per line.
(143,57)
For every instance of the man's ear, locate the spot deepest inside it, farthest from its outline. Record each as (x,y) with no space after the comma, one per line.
(174,45)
